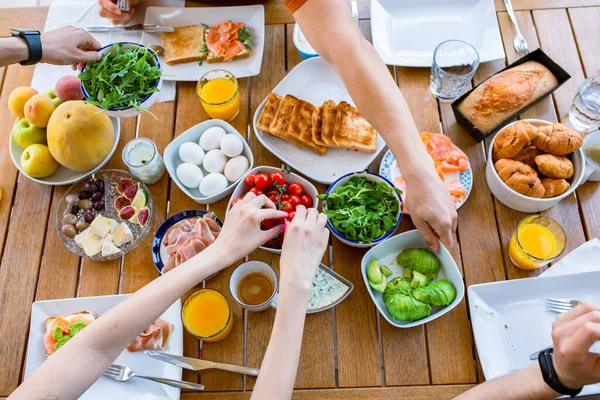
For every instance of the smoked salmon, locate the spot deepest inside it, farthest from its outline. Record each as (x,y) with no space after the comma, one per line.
(447,157)
(224,40)
(79,319)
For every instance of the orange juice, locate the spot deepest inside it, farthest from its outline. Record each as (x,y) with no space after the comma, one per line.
(219,93)
(534,244)
(206,315)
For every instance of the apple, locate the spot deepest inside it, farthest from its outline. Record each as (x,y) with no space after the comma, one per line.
(37,161)
(52,94)
(26,134)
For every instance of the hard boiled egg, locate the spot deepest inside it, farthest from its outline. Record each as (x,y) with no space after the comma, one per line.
(190,152)
(214,161)
(189,175)
(232,145)
(211,138)
(235,168)
(213,184)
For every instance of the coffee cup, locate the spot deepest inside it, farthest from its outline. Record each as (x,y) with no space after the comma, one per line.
(592,168)
(258,281)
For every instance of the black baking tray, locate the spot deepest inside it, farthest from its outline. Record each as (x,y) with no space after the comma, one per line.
(538,55)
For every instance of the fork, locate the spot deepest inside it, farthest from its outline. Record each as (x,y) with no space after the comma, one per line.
(123,5)
(519,43)
(122,373)
(561,305)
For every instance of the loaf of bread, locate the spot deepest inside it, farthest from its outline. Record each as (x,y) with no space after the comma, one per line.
(505,94)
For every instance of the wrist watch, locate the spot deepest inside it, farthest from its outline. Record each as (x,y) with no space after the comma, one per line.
(550,376)
(34,43)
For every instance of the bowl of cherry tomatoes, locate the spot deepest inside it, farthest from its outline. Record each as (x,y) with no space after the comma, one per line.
(284,188)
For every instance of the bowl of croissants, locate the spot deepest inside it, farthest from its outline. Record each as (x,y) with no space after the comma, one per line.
(533,164)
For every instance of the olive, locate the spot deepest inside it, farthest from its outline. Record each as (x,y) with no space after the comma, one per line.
(100,184)
(69,230)
(73,209)
(81,225)
(90,187)
(99,205)
(86,204)
(88,216)
(96,196)
(84,195)
(72,199)
(69,219)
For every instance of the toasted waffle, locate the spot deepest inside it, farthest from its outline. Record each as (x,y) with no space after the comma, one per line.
(352,130)
(183,45)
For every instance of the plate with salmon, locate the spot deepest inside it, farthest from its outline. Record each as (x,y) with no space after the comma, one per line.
(232,37)
(55,322)
(451,164)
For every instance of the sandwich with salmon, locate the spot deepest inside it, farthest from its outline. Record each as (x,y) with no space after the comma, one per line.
(59,330)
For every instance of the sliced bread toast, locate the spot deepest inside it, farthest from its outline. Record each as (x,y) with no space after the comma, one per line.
(282,117)
(329,115)
(268,112)
(183,45)
(352,130)
(299,128)
(317,126)
(211,58)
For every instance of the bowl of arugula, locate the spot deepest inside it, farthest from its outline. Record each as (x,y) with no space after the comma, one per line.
(124,82)
(363,208)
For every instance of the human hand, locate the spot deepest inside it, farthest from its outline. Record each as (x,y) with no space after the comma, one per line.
(69,45)
(108,9)
(306,239)
(573,334)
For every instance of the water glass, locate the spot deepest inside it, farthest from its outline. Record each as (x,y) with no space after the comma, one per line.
(585,111)
(144,160)
(454,64)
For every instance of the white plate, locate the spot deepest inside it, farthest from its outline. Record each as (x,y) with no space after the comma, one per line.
(510,320)
(315,81)
(105,388)
(407,32)
(252,16)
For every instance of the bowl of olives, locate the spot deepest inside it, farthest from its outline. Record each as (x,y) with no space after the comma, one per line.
(113,195)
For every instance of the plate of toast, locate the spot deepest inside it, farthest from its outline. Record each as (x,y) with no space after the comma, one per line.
(208,38)
(310,122)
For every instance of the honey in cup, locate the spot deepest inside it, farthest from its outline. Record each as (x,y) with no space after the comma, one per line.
(255,289)
(206,314)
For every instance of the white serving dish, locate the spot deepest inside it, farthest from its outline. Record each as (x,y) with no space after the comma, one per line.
(242,189)
(387,252)
(302,44)
(315,81)
(510,320)
(148,100)
(105,388)
(253,16)
(63,175)
(407,32)
(372,177)
(519,202)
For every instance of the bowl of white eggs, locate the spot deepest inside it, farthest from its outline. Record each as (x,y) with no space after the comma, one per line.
(208,160)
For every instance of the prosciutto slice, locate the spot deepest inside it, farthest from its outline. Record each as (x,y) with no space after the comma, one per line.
(154,337)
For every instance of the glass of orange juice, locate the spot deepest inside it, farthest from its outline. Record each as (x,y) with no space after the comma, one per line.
(206,314)
(536,241)
(220,94)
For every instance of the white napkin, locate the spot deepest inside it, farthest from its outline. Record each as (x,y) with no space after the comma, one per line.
(83,13)
(585,258)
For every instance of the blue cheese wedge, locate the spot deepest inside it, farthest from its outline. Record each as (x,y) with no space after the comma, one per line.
(122,234)
(325,291)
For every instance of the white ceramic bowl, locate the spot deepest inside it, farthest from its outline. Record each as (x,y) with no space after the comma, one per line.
(148,100)
(372,177)
(526,204)
(63,175)
(172,160)
(387,252)
(241,189)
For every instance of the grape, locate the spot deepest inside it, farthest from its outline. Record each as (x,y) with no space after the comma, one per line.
(90,181)
(99,205)
(69,219)
(88,216)
(100,184)
(86,204)
(73,209)
(96,196)
(81,225)
(84,195)
(69,230)
(72,199)
(90,187)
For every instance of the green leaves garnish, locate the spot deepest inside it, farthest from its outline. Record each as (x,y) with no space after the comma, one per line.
(245,37)
(121,80)
(61,338)
(205,26)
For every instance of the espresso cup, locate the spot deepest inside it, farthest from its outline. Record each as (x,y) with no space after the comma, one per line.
(245,269)
(592,169)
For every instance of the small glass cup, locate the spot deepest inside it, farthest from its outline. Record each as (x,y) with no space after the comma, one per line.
(220,333)
(454,64)
(220,94)
(585,111)
(518,250)
(143,160)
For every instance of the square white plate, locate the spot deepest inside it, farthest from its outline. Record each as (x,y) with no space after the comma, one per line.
(407,32)
(510,320)
(105,388)
(315,81)
(252,16)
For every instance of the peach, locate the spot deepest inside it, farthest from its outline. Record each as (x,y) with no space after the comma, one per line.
(69,88)
(38,110)
(17,99)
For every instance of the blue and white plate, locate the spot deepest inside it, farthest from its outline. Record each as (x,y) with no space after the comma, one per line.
(389,170)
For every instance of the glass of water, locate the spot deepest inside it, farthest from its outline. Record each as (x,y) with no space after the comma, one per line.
(585,111)
(454,64)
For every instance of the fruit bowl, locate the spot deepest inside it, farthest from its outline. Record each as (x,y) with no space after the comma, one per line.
(111,179)
(63,175)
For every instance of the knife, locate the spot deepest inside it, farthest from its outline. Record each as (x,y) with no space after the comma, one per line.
(137,27)
(199,365)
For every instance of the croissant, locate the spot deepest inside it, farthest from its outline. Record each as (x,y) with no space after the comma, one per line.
(554,187)
(557,139)
(520,177)
(510,140)
(554,166)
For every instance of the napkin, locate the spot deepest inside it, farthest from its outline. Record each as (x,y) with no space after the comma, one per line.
(83,13)
(582,259)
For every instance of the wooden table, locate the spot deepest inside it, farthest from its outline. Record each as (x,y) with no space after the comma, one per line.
(349,352)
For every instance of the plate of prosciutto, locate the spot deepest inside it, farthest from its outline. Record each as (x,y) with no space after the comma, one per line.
(182,236)
(55,322)
(451,164)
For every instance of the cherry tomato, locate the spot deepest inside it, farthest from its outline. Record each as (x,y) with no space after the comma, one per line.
(291,215)
(234,202)
(285,197)
(286,188)
(250,180)
(278,177)
(296,188)
(271,244)
(262,181)
(268,223)
(273,196)
(255,190)
(285,206)
(307,201)
(295,201)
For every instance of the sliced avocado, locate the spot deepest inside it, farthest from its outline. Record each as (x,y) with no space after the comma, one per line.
(443,299)
(385,270)
(380,287)
(419,280)
(408,273)
(422,294)
(374,273)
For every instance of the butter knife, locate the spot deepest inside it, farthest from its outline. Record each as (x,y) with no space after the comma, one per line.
(199,365)
(137,27)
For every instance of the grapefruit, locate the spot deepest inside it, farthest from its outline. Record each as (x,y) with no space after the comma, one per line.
(80,136)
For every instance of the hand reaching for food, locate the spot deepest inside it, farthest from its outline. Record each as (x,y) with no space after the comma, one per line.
(69,45)
(108,9)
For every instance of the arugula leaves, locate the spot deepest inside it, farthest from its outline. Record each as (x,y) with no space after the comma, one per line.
(61,338)
(245,37)
(361,209)
(121,80)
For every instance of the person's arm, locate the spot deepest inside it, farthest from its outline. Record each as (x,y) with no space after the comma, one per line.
(329,27)
(306,239)
(12,51)
(573,334)
(78,364)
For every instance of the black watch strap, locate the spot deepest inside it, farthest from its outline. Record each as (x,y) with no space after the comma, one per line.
(34,43)
(550,376)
